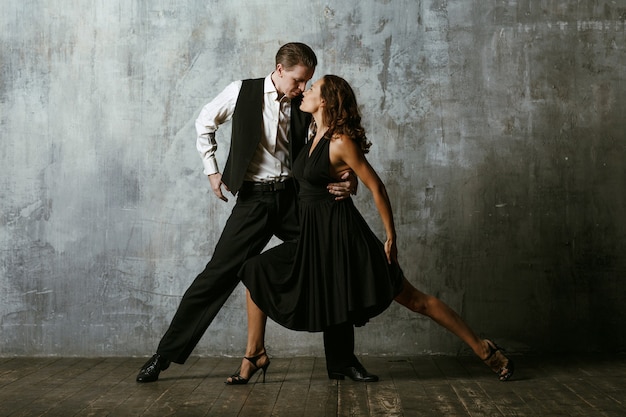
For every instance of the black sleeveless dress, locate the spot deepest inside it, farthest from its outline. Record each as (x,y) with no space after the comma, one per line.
(337,272)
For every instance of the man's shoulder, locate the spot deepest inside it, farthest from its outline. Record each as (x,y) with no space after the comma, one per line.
(252,85)
(253,81)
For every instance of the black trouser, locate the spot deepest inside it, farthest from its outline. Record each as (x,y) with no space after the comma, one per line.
(339,347)
(256,217)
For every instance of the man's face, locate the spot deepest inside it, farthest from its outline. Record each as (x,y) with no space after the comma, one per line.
(292,82)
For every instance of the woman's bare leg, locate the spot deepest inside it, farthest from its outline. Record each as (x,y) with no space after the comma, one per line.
(256,328)
(442,314)
(256,339)
(432,307)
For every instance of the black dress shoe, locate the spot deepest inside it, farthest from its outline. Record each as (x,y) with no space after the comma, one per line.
(355,373)
(150,370)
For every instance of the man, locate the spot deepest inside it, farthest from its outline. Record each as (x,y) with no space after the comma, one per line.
(268,131)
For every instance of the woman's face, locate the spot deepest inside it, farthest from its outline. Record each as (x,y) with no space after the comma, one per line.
(312,98)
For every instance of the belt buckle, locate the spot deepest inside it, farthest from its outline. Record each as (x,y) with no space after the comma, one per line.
(270,186)
(278,186)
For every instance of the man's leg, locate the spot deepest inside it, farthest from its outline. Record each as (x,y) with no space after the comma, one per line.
(340,359)
(245,234)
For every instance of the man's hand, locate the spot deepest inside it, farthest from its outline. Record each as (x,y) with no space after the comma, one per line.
(345,188)
(216,185)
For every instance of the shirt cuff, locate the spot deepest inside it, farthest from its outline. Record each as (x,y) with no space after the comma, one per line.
(210,166)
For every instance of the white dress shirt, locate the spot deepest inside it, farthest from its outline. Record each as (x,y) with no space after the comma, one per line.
(271,158)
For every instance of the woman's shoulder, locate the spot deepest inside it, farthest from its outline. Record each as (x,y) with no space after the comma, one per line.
(341,139)
(344,148)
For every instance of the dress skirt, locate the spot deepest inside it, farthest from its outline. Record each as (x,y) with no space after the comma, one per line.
(336,273)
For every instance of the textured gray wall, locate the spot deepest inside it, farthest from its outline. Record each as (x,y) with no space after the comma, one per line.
(498,128)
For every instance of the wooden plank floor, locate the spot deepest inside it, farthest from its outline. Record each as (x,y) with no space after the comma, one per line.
(571,385)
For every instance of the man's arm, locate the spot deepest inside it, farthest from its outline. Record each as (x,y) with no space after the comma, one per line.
(212,115)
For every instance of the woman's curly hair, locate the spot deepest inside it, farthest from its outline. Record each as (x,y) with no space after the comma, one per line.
(341,112)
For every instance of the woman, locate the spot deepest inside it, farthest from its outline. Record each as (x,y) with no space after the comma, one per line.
(339,271)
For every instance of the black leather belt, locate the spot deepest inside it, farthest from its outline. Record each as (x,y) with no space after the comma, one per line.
(263,187)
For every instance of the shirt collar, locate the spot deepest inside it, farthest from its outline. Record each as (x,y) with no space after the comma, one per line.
(269,88)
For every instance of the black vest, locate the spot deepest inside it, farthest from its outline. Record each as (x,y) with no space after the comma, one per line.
(246,132)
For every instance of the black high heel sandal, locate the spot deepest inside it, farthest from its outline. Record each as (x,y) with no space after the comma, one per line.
(498,362)
(237,379)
